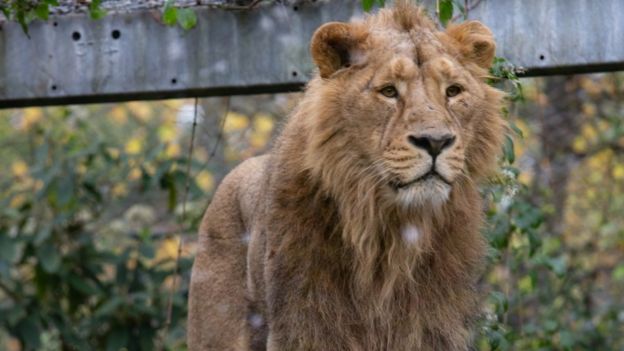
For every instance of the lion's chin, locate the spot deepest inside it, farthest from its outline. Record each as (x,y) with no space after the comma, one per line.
(428,192)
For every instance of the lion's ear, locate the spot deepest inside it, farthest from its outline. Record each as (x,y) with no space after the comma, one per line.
(333,46)
(476,42)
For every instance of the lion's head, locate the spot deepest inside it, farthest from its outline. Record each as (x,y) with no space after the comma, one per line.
(405,108)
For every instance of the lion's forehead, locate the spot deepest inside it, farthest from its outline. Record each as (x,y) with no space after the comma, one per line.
(422,42)
(404,52)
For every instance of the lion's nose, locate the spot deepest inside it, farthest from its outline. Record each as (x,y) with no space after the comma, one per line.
(433,144)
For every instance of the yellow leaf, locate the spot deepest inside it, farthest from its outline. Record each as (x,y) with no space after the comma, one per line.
(168,249)
(119,190)
(118,114)
(231,154)
(525,178)
(526,284)
(589,109)
(172,150)
(131,263)
(590,86)
(82,169)
(174,104)
(167,132)
(263,123)
(205,181)
(17,201)
(579,144)
(30,117)
(258,140)
(141,110)
(589,132)
(19,168)
(134,146)
(113,152)
(618,172)
(200,154)
(235,121)
(134,174)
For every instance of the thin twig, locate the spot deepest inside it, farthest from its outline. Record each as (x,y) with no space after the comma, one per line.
(249,6)
(187,186)
(8,292)
(467,9)
(437,8)
(215,147)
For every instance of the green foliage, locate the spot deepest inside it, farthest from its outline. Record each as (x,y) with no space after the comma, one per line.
(184,17)
(367,5)
(445,11)
(25,11)
(67,271)
(95,11)
(539,295)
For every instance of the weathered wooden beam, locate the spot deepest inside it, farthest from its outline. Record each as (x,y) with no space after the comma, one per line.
(131,55)
(557,36)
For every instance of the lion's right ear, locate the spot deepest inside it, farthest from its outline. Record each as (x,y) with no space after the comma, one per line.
(333,46)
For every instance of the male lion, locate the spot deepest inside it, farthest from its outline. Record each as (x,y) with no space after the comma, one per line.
(360,229)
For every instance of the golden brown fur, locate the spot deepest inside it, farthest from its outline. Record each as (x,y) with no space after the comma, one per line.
(337,240)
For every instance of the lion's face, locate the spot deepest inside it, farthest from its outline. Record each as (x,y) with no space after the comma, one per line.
(410,105)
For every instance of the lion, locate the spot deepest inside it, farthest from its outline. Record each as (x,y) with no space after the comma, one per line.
(360,229)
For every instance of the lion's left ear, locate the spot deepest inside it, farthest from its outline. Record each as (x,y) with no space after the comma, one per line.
(476,42)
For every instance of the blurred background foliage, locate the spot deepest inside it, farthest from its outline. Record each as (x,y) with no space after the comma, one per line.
(91,202)
(555,224)
(91,211)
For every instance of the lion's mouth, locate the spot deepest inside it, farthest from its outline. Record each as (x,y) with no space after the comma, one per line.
(432,174)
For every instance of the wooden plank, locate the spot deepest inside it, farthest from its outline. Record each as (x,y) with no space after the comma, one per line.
(557,36)
(131,56)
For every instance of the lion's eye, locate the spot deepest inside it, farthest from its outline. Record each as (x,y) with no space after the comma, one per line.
(389,91)
(454,90)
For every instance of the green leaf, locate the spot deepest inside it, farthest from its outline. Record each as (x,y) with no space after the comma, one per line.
(500,301)
(147,250)
(82,285)
(446,11)
(550,325)
(516,130)
(558,265)
(97,13)
(508,150)
(618,273)
(566,339)
(30,331)
(108,308)
(8,249)
(43,234)
(187,19)
(170,14)
(367,5)
(49,257)
(42,11)
(117,339)
(21,19)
